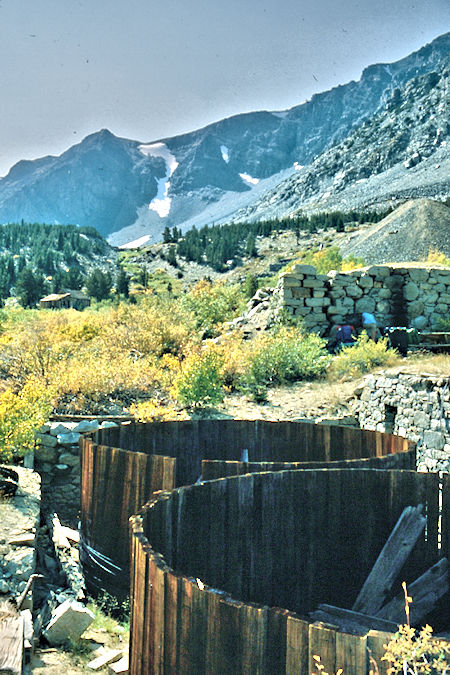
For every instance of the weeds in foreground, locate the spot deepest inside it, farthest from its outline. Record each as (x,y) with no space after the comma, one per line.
(412,652)
(107,606)
(436,256)
(320,667)
(200,381)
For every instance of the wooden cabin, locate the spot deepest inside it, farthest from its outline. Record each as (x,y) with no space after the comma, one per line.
(67,298)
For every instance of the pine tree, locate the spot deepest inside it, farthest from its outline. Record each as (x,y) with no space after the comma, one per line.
(123,283)
(167,237)
(250,246)
(171,256)
(98,284)
(73,279)
(30,287)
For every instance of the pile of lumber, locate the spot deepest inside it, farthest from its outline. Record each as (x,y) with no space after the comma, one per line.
(374,608)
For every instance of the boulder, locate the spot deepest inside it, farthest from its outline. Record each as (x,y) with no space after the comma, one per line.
(410,291)
(57,428)
(86,425)
(46,439)
(46,453)
(69,459)
(434,440)
(70,438)
(69,620)
(415,309)
(365,304)
(304,269)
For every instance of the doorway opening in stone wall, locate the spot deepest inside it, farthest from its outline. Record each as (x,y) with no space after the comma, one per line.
(390,413)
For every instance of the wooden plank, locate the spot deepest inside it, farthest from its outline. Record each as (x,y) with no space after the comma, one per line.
(375,650)
(171,625)
(228,644)
(252,633)
(322,645)
(297,645)
(347,619)
(351,654)
(213,628)
(11,644)
(275,662)
(390,561)
(425,592)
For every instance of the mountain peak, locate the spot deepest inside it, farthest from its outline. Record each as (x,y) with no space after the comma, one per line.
(228,168)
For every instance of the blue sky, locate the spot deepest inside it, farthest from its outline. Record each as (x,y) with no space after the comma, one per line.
(148,70)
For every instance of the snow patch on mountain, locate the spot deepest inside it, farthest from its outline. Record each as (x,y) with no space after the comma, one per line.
(162,202)
(137,242)
(225,153)
(249,179)
(281,114)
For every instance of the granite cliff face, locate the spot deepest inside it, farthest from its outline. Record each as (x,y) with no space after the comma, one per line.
(401,152)
(129,189)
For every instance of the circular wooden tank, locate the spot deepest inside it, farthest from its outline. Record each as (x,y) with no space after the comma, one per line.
(122,467)
(225,572)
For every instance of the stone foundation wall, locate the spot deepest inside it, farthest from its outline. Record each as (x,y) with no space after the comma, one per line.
(411,296)
(414,406)
(57,460)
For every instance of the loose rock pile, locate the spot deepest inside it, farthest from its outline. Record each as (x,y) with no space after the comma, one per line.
(18,534)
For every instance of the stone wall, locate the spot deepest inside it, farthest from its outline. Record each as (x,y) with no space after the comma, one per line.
(414,406)
(411,296)
(57,460)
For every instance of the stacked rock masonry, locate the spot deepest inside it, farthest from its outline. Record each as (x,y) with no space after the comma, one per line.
(398,296)
(57,460)
(414,406)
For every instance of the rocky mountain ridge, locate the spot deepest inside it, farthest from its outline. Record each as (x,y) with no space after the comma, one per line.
(129,190)
(402,151)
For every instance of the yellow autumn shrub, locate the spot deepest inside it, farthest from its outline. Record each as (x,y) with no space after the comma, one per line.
(22,411)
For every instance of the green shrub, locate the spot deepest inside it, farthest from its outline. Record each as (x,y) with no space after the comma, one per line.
(285,356)
(362,357)
(326,259)
(443,324)
(212,304)
(250,285)
(200,381)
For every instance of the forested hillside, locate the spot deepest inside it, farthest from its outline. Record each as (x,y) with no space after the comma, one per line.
(50,257)
(217,244)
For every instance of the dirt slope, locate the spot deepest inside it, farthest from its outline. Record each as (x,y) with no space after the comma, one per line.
(407,233)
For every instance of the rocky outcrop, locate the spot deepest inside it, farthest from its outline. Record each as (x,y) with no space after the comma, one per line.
(399,153)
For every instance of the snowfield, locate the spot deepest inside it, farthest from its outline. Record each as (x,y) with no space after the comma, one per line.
(162,202)
(225,153)
(249,179)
